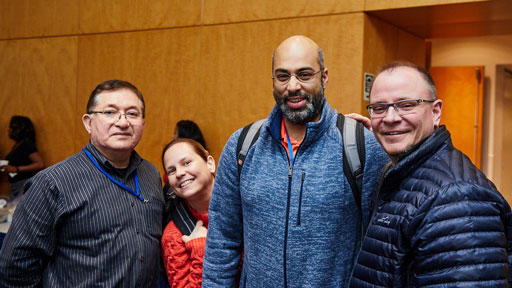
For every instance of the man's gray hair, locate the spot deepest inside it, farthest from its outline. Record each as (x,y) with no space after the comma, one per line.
(431,86)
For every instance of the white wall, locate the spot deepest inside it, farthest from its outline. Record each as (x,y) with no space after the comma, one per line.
(488,51)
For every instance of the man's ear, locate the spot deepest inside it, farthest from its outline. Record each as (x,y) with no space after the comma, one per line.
(325,77)
(86,119)
(437,109)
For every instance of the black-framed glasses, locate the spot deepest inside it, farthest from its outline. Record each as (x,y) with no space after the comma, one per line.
(115,115)
(302,76)
(402,107)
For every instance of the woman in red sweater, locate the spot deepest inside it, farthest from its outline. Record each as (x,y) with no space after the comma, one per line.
(190,170)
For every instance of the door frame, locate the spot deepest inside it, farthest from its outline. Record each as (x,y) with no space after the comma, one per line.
(502,71)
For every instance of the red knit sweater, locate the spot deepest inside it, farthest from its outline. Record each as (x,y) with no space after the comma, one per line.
(183,262)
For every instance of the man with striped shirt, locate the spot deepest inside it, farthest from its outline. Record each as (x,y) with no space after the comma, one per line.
(94,219)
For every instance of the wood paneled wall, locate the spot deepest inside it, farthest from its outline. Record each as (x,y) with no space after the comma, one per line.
(38,79)
(207,61)
(384,43)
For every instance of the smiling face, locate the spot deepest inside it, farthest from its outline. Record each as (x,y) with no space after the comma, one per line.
(398,133)
(112,136)
(190,176)
(300,102)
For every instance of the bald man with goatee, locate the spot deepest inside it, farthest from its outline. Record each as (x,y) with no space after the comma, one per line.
(290,212)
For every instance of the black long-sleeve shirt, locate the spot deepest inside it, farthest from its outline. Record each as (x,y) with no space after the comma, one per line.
(76,228)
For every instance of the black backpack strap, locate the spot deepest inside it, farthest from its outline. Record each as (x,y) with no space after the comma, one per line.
(247,137)
(352,133)
(183,218)
(170,203)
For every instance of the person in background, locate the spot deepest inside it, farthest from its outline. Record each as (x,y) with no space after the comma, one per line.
(438,221)
(190,170)
(189,129)
(290,211)
(24,159)
(94,219)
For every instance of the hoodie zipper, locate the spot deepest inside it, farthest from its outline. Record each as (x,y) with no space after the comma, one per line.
(290,174)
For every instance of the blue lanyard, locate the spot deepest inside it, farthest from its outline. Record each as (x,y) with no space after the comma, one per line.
(290,149)
(136,193)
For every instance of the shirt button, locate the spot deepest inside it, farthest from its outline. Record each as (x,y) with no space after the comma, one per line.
(137,230)
(133,203)
(142,259)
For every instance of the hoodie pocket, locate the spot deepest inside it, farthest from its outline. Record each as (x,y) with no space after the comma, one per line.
(300,197)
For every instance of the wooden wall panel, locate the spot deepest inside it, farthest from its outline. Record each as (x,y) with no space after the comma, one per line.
(9,100)
(411,48)
(380,44)
(38,77)
(384,43)
(163,64)
(33,18)
(218,76)
(126,15)
(231,11)
(459,19)
(395,4)
(344,48)
(237,67)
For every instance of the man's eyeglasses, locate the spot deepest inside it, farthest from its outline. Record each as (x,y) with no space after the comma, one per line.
(401,107)
(302,76)
(133,117)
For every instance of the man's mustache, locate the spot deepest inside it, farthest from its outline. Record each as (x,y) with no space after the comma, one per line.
(297,93)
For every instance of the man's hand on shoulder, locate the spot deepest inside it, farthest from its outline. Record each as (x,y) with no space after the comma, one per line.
(358,117)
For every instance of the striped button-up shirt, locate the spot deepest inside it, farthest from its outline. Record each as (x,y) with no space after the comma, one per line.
(76,228)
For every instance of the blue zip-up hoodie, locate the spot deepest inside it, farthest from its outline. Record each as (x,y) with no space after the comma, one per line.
(296,226)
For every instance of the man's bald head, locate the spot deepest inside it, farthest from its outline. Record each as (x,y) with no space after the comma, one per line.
(299,78)
(299,42)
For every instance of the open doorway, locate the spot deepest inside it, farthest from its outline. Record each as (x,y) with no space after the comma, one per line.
(503,163)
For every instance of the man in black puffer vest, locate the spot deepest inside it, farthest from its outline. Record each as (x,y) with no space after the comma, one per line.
(437,220)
